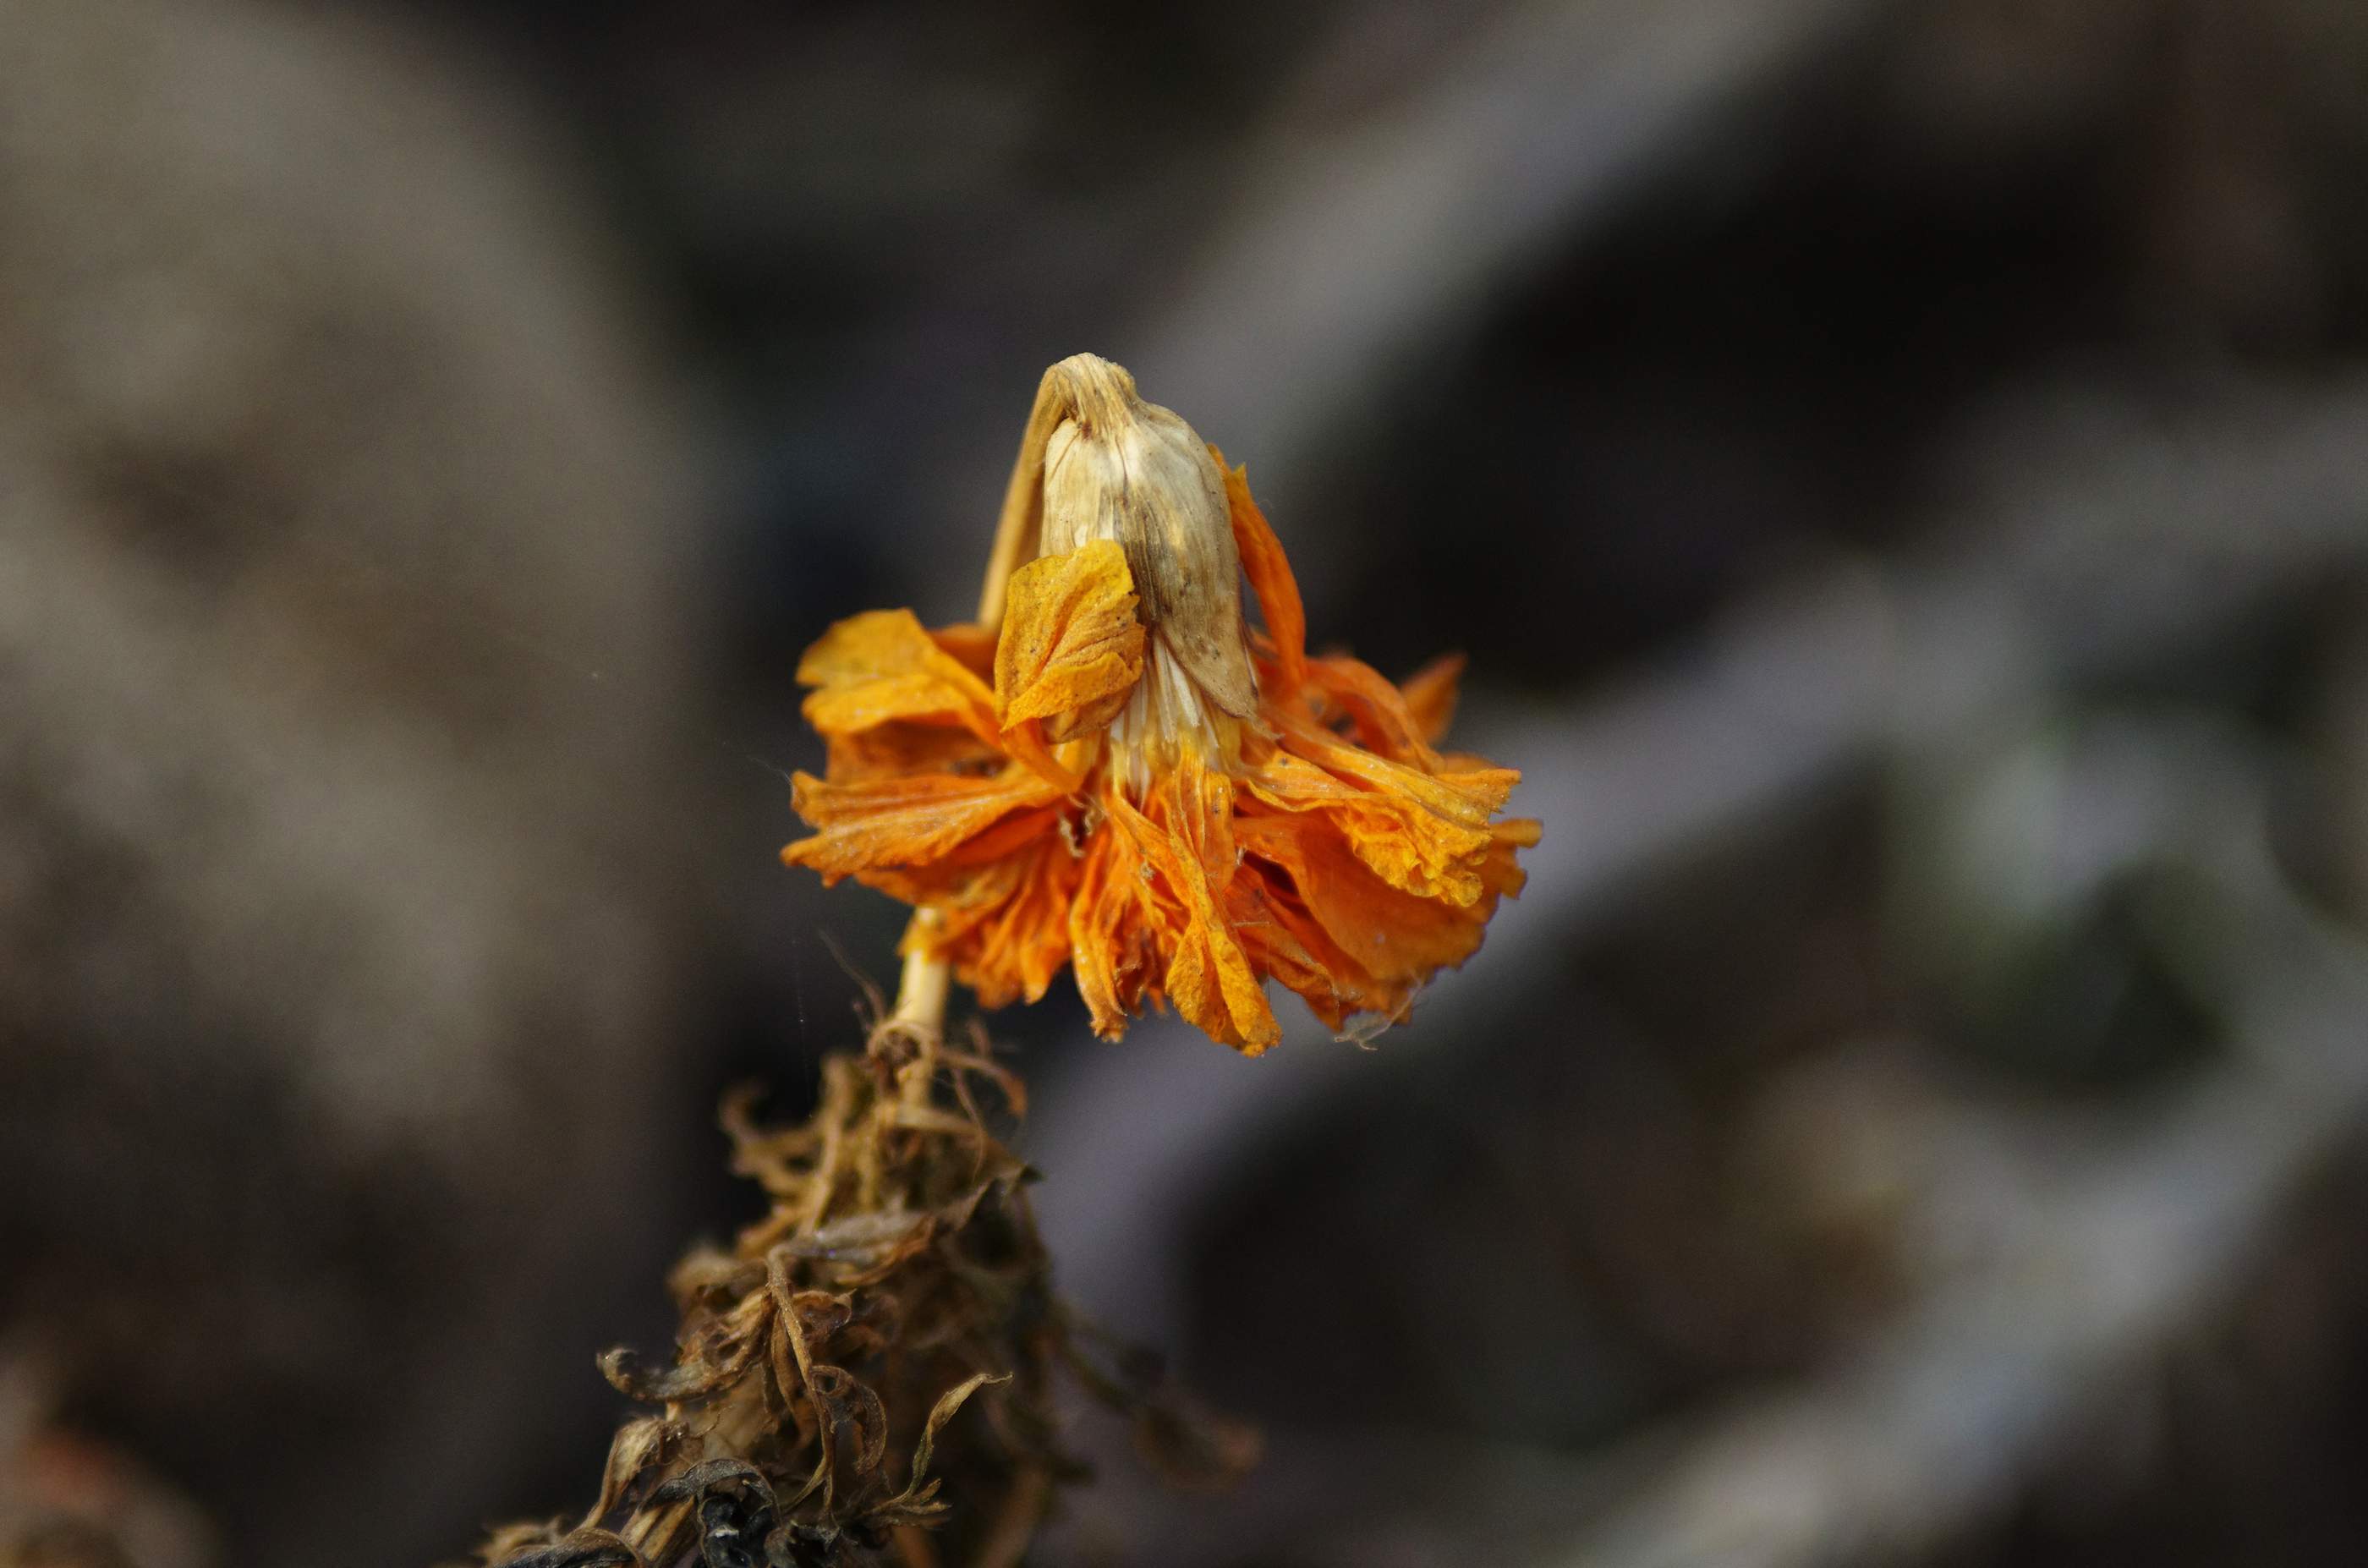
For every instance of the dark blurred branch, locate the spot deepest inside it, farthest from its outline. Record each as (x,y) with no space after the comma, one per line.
(2108,1245)
(1353,254)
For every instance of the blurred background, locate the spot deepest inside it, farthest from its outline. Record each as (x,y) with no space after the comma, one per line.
(1900,472)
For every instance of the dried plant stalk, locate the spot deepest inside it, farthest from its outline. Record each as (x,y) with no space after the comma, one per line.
(866,1374)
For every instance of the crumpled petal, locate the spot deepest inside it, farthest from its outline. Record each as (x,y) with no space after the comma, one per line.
(1393,939)
(969,645)
(1110,945)
(1412,849)
(1378,714)
(1003,921)
(908,747)
(1429,695)
(1271,580)
(1185,839)
(882,666)
(1422,834)
(1071,644)
(910,820)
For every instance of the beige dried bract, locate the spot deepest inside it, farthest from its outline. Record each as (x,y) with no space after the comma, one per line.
(1098,462)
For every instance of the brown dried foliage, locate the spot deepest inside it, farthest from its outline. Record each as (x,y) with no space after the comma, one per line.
(866,1375)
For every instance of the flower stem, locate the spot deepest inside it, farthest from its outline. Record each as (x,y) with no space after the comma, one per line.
(917,1023)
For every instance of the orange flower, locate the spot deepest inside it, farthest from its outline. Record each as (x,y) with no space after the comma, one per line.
(1123,778)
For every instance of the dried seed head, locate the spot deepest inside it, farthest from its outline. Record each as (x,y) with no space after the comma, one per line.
(1099,464)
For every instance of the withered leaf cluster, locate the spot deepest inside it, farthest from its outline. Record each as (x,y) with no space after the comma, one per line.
(866,1375)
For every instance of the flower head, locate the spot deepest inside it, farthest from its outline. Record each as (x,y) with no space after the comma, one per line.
(1112,771)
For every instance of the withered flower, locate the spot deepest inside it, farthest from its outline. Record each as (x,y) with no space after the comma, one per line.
(1110,769)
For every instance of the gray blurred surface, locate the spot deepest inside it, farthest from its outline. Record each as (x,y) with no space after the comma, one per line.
(335,945)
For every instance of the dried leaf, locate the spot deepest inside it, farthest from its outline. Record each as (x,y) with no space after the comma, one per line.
(947,1405)
(733,1504)
(695,1375)
(852,1404)
(641,1447)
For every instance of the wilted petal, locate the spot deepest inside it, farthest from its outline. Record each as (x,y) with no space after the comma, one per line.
(1271,581)
(1378,715)
(1110,945)
(1429,695)
(1071,645)
(881,667)
(1396,938)
(909,821)
(1208,979)
(1420,835)
(1007,928)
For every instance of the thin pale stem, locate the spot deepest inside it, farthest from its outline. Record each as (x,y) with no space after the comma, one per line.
(919,1016)
(921,990)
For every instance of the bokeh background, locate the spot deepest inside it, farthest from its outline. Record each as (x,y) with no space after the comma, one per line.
(1900,471)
